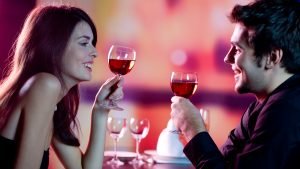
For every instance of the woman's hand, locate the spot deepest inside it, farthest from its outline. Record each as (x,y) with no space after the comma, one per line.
(110,93)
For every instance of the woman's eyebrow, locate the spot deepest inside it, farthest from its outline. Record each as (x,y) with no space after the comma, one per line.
(84,37)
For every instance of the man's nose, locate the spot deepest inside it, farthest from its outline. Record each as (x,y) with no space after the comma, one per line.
(229,57)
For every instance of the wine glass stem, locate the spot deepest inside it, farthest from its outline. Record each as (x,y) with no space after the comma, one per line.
(115,148)
(137,148)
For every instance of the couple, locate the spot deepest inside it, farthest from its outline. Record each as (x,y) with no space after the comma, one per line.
(54,53)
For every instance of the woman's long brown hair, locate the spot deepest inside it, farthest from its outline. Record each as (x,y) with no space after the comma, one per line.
(39,48)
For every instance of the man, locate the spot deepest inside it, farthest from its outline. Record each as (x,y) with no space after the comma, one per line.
(265,59)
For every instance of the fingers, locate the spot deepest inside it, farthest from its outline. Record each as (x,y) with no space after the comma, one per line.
(181,100)
(110,104)
(112,81)
(175,99)
(121,81)
(118,94)
(109,87)
(186,116)
(110,93)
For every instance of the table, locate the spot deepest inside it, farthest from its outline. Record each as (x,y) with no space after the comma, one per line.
(150,166)
(149,162)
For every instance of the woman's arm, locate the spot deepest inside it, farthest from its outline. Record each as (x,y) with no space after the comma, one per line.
(106,99)
(38,99)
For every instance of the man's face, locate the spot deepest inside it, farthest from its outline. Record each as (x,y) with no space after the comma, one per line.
(248,75)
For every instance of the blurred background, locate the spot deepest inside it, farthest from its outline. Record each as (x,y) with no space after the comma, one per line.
(168,35)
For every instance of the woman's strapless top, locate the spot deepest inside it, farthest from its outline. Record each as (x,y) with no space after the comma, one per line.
(8,151)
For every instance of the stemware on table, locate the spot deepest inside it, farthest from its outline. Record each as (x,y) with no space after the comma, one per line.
(116,127)
(139,129)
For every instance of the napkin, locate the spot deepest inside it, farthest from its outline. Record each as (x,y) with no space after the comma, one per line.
(168,143)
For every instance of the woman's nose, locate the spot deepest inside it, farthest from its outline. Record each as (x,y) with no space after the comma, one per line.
(94,52)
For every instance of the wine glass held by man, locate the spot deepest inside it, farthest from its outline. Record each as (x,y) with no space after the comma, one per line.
(265,60)
(183,84)
(39,97)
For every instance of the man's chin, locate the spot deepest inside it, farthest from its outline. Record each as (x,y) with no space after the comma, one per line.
(241,89)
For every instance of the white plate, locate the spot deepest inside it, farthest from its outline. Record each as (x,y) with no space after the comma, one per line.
(166,159)
(122,155)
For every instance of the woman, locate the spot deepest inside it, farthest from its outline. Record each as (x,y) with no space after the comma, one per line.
(39,97)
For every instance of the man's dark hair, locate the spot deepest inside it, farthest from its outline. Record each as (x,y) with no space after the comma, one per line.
(275,25)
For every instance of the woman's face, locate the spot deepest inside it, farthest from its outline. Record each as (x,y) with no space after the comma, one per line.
(79,55)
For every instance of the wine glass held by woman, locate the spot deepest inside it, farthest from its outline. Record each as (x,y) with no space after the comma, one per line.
(39,96)
(121,60)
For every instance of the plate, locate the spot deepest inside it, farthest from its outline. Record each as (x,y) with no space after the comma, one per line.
(122,155)
(167,159)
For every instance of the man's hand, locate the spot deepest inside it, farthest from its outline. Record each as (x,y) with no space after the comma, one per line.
(186,117)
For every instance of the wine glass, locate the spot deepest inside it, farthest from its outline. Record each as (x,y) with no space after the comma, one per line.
(116,127)
(183,84)
(206,118)
(139,129)
(121,60)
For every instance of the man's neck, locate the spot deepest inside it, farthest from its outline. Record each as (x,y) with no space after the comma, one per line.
(274,82)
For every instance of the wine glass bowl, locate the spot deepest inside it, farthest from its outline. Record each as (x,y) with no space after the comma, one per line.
(139,129)
(121,59)
(184,84)
(116,127)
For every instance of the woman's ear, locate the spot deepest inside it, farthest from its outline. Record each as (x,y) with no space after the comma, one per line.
(274,58)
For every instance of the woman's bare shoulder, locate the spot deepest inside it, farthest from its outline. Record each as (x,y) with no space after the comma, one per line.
(41,84)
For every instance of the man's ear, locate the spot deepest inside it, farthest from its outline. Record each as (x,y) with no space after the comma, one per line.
(274,58)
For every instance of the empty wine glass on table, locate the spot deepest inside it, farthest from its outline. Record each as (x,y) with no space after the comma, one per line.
(183,84)
(121,60)
(139,129)
(206,118)
(116,127)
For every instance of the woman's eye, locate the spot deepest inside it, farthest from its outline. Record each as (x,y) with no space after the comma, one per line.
(84,43)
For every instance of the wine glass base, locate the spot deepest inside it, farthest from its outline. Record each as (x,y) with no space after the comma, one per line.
(137,161)
(115,162)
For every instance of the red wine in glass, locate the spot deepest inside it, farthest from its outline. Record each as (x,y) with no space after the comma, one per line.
(121,67)
(121,59)
(184,84)
(184,89)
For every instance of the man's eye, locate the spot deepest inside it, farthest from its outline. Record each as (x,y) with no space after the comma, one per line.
(237,50)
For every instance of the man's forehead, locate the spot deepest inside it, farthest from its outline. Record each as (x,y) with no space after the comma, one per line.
(239,34)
